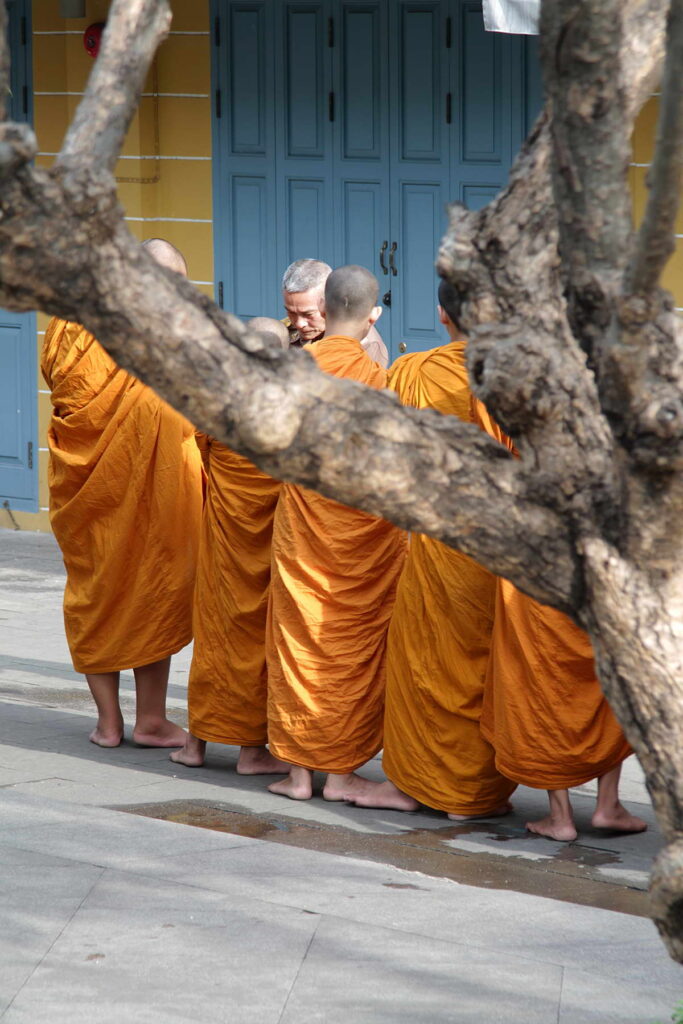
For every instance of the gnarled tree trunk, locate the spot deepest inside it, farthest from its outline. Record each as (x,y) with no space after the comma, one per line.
(573,347)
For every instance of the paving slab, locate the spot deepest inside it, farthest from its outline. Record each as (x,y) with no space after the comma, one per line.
(370,974)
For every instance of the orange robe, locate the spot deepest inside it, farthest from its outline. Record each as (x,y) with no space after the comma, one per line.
(227,686)
(125,482)
(334,577)
(544,711)
(439,638)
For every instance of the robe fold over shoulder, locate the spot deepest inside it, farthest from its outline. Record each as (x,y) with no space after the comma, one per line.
(544,711)
(227,686)
(125,482)
(334,576)
(439,638)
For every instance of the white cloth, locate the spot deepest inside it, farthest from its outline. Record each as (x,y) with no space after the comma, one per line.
(516,16)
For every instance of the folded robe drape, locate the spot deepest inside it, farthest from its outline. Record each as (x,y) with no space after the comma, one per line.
(125,483)
(334,577)
(439,638)
(227,685)
(544,711)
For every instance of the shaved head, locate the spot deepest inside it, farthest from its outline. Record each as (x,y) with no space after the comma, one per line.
(350,293)
(166,254)
(275,329)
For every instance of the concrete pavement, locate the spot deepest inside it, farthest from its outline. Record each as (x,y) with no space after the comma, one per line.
(275,911)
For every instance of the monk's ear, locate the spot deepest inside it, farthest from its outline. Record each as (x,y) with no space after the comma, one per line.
(375,315)
(443,316)
(321,306)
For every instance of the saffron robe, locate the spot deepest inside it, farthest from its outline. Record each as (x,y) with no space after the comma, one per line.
(439,638)
(334,577)
(544,711)
(227,685)
(125,481)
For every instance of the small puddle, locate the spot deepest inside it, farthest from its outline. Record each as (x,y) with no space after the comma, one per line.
(567,876)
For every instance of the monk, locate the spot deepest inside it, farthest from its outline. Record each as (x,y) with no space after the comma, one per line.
(439,637)
(274,330)
(544,711)
(227,690)
(334,577)
(303,286)
(125,481)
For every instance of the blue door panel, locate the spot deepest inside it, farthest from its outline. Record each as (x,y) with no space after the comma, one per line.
(248,89)
(362,93)
(18,357)
(307,217)
(474,197)
(304,110)
(249,239)
(18,449)
(421,222)
(419,70)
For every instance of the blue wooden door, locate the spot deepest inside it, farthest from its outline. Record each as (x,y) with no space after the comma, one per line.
(18,370)
(343,129)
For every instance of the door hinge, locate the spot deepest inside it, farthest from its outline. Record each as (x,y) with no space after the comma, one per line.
(24,99)
(330,32)
(330,106)
(449,33)
(29,455)
(217,31)
(24,33)
(220,294)
(449,107)
(218,103)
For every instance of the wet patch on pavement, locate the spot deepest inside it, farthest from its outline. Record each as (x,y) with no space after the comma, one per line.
(569,874)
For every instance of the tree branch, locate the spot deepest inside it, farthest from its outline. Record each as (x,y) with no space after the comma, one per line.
(581,54)
(134,30)
(655,241)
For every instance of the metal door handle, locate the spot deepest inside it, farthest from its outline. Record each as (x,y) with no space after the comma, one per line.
(392,263)
(385,246)
(402,347)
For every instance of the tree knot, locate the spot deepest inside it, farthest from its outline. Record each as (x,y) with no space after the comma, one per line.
(269,419)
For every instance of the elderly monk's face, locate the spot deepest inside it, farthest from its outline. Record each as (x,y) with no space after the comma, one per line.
(303,310)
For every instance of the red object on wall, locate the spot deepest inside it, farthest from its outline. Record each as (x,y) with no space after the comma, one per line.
(92,38)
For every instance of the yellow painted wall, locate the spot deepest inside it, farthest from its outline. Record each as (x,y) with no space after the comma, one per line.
(169,140)
(643,148)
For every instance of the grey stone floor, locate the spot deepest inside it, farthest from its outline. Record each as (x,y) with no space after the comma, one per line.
(110,916)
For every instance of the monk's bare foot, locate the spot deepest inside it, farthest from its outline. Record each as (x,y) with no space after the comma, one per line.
(192,752)
(497,812)
(381,794)
(562,831)
(344,787)
(260,761)
(618,819)
(159,733)
(106,737)
(297,786)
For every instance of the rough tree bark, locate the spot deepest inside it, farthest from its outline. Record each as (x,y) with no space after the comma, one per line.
(574,348)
